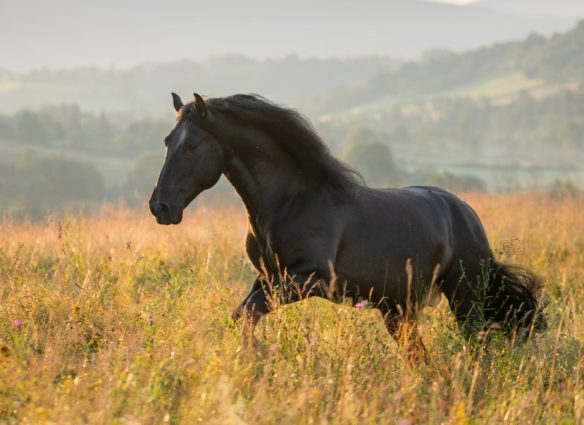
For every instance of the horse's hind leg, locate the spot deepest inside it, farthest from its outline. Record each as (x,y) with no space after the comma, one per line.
(465,293)
(405,332)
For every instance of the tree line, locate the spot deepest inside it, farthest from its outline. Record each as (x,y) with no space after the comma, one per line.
(67,126)
(35,183)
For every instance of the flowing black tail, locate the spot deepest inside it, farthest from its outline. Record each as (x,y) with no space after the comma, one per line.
(513,300)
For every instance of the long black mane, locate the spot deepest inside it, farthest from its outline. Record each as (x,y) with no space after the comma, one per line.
(295,135)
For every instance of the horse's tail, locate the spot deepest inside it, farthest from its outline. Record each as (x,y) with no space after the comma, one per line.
(513,299)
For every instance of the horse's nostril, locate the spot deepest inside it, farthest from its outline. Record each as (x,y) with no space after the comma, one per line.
(162,210)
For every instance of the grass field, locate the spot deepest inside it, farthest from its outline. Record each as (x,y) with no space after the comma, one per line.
(499,88)
(502,87)
(116,320)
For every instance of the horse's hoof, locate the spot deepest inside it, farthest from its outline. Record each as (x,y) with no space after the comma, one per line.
(236,315)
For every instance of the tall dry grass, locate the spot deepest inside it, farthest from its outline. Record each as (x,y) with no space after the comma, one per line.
(114,319)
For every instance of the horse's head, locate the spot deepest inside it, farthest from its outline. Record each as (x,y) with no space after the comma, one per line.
(194,162)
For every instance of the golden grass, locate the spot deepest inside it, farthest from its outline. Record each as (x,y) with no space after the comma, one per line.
(504,86)
(504,89)
(115,319)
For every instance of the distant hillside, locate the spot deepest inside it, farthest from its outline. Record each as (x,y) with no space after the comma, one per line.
(145,89)
(536,63)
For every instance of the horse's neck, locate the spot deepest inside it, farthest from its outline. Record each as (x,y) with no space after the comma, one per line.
(262,176)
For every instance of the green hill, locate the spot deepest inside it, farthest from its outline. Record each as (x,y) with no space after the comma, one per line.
(500,70)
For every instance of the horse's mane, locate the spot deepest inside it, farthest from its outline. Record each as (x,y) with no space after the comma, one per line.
(295,135)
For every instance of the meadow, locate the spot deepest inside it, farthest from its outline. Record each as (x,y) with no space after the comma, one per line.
(113,319)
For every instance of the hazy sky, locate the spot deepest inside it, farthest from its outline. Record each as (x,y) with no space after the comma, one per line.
(462,2)
(121,33)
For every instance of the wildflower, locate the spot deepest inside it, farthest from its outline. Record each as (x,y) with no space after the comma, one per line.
(18,324)
(362,305)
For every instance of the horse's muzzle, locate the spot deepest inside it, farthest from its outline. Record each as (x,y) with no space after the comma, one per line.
(166,215)
(165,210)
(162,213)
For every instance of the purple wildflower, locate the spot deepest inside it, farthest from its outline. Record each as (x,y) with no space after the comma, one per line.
(18,324)
(362,305)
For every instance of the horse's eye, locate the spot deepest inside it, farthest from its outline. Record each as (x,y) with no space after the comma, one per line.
(191,145)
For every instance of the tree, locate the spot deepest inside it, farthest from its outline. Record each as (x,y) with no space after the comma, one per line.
(142,177)
(30,128)
(371,157)
(39,183)
(457,183)
(142,135)
(6,128)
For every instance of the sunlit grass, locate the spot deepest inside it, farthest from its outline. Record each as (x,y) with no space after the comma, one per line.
(503,86)
(115,319)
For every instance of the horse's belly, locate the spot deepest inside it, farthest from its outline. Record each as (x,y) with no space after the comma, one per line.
(394,288)
(391,272)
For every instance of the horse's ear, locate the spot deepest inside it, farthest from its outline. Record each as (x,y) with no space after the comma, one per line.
(200,105)
(177,102)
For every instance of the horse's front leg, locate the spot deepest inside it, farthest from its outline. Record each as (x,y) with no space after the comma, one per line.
(236,315)
(286,290)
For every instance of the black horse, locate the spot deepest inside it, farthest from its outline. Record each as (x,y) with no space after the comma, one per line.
(315,230)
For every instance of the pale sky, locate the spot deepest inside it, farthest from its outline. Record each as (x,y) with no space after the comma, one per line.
(453,1)
(123,33)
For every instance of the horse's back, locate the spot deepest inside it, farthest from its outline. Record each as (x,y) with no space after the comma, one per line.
(412,215)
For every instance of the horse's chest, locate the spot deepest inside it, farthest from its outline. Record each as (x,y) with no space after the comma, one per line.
(261,251)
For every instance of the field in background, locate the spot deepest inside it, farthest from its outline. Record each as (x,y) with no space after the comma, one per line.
(114,319)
